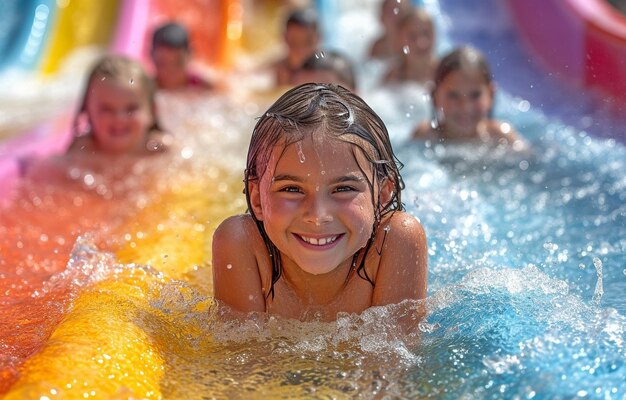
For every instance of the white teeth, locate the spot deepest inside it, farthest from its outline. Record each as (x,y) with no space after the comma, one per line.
(319,242)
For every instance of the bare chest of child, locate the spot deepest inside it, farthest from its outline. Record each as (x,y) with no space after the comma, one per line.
(354,296)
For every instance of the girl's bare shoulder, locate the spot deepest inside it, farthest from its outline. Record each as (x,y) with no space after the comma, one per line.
(237,228)
(402,271)
(501,130)
(80,145)
(402,228)
(424,131)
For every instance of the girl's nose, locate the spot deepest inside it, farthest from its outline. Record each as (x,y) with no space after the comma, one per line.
(317,211)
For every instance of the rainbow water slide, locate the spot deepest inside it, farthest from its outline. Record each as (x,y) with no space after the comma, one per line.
(584,41)
(101,337)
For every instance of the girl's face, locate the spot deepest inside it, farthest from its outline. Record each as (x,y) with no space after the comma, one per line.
(417,37)
(302,42)
(463,100)
(120,115)
(390,11)
(315,204)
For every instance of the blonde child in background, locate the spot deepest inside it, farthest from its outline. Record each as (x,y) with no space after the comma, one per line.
(302,39)
(414,59)
(115,127)
(325,232)
(463,98)
(117,114)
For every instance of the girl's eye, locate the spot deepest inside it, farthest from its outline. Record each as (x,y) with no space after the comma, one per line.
(107,110)
(475,95)
(454,96)
(132,109)
(345,189)
(290,189)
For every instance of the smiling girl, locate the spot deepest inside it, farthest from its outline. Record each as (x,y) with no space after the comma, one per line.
(325,232)
(117,113)
(463,99)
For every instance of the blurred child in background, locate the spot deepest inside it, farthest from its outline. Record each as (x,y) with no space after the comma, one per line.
(115,126)
(117,113)
(386,44)
(463,98)
(327,67)
(414,59)
(171,56)
(302,39)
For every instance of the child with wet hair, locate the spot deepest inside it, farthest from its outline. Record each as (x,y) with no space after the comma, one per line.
(114,130)
(415,58)
(328,66)
(463,98)
(385,46)
(171,56)
(325,232)
(117,114)
(302,39)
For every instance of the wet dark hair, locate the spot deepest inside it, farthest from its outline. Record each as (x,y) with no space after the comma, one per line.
(172,35)
(462,58)
(306,17)
(334,61)
(337,113)
(117,68)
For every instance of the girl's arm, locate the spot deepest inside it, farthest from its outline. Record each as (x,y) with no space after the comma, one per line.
(402,273)
(236,278)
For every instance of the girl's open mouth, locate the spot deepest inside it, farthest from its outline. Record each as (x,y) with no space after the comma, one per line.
(319,242)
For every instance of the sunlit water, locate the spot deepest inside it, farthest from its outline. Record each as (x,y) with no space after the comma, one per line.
(526,276)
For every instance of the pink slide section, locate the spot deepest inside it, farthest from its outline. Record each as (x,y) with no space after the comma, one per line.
(582,40)
(54,136)
(131,32)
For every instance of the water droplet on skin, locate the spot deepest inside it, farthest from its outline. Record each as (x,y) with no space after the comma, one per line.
(131,81)
(300,152)
(406,50)
(229,266)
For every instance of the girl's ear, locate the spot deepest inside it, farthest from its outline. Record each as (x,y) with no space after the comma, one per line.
(255,199)
(386,192)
